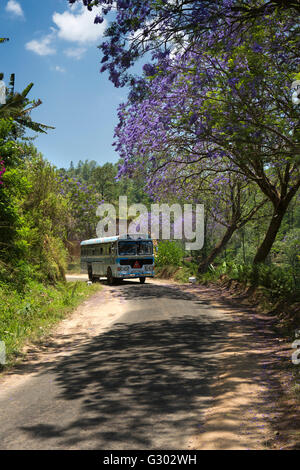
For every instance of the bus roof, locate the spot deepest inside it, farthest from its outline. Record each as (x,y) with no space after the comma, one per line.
(133,237)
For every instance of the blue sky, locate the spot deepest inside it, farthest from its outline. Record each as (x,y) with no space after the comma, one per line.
(55,47)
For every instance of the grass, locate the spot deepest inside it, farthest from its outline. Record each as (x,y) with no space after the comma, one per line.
(29,315)
(177,273)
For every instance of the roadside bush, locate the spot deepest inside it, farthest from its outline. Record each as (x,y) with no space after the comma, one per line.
(287,253)
(169,253)
(186,271)
(277,282)
(29,314)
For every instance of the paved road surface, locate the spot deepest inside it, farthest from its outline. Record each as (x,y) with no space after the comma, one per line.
(144,382)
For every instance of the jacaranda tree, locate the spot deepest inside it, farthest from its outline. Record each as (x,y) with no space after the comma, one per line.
(235,105)
(141,26)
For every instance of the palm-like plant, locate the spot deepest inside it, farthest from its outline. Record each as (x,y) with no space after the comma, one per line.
(18,106)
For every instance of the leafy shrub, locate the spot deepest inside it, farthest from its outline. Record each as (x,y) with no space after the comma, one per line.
(186,271)
(169,253)
(287,252)
(277,282)
(29,314)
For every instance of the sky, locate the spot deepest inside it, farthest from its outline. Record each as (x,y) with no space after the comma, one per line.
(54,46)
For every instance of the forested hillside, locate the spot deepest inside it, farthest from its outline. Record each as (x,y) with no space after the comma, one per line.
(87,185)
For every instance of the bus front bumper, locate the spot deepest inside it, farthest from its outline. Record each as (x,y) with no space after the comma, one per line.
(133,275)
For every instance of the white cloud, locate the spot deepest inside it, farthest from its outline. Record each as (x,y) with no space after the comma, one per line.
(77,25)
(15,8)
(60,69)
(75,52)
(42,46)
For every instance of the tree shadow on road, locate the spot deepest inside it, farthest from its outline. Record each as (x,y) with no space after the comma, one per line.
(141,385)
(145,385)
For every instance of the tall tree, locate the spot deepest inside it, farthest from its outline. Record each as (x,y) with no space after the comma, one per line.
(235,105)
(157,26)
(18,107)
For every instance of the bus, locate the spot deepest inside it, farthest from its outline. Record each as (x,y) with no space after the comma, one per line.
(119,257)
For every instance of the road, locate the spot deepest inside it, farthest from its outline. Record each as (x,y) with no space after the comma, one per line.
(136,367)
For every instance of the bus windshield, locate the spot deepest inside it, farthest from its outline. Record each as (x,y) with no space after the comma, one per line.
(135,248)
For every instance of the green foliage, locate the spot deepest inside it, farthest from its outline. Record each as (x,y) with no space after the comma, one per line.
(186,271)
(14,188)
(178,273)
(46,214)
(12,151)
(83,201)
(104,182)
(87,186)
(287,252)
(29,314)
(277,282)
(18,108)
(34,220)
(169,253)
(33,214)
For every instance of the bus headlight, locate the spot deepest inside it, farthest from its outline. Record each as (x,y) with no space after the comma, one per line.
(123,268)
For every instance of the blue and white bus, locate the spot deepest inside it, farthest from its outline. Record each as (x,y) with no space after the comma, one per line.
(119,257)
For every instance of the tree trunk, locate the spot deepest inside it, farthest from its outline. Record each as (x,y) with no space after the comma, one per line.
(275,223)
(218,248)
(280,207)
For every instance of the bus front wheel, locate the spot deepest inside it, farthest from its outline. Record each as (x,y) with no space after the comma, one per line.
(90,272)
(110,278)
